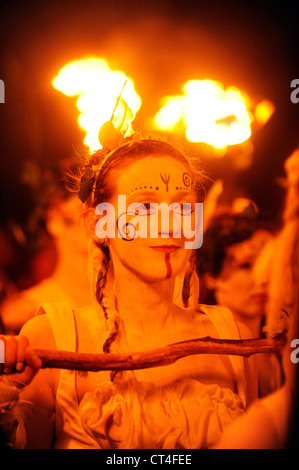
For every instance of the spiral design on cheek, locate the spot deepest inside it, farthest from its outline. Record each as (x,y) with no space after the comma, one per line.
(126,229)
(187,180)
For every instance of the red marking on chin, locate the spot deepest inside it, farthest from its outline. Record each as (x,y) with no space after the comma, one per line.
(168,266)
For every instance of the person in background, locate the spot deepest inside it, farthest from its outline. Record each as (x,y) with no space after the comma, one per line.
(233,268)
(272,422)
(68,281)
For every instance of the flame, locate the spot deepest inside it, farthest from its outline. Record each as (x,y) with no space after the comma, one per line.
(209,113)
(263,112)
(98,88)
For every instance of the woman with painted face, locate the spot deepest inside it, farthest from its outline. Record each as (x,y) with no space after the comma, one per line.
(135,258)
(234,267)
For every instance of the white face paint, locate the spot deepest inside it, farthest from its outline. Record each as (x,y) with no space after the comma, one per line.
(148,183)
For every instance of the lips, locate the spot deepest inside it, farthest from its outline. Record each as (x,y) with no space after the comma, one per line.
(165,248)
(262,297)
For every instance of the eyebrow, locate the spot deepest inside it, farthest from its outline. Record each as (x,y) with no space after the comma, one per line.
(151,195)
(186,193)
(154,191)
(142,193)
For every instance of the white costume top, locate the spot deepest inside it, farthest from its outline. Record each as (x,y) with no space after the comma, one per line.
(127,413)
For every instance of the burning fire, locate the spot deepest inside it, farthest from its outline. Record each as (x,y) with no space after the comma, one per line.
(210,114)
(263,112)
(98,88)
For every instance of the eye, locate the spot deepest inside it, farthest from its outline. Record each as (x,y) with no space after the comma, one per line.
(184,208)
(246,265)
(144,209)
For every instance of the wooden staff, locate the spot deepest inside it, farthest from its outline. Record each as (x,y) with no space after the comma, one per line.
(158,357)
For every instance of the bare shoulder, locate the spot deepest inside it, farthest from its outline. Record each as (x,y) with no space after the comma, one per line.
(16,310)
(195,323)
(39,332)
(244,330)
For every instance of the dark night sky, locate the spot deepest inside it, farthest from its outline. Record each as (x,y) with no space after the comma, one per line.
(161,45)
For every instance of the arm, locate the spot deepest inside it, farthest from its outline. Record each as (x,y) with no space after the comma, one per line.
(28,397)
(264,425)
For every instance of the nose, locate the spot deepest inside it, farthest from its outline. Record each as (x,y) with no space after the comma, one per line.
(262,283)
(261,272)
(170,225)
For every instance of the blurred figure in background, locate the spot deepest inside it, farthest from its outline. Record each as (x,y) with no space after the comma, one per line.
(233,268)
(68,280)
(272,422)
(7,258)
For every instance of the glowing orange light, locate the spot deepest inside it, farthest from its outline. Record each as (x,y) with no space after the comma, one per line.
(98,88)
(209,113)
(241,203)
(263,112)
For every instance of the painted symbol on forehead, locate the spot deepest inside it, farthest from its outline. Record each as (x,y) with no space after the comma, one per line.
(165,178)
(143,187)
(188,181)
